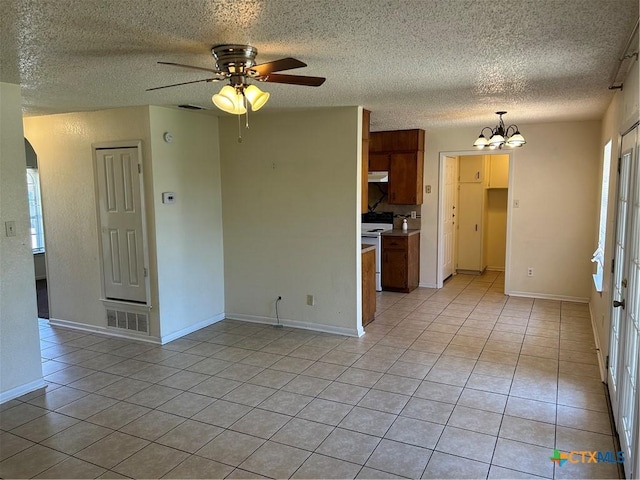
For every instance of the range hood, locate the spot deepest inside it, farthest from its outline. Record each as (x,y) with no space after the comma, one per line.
(378,177)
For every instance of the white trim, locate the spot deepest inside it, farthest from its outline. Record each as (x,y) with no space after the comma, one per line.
(109,331)
(192,328)
(318,327)
(142,307)
(22,390)
(596,337)
(428,285)
(548,296)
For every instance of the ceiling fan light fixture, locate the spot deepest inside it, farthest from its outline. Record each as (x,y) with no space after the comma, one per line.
(256,97)
(229,100)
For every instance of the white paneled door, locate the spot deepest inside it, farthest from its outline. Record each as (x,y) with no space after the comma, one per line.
(121,217)
(449,216)
(625,317)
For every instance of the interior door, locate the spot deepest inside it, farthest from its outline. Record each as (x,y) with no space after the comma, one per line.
(625,316)
(450,166)
(121,219)
(470,226)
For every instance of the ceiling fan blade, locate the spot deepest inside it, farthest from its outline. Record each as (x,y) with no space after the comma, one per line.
(184,83)
(192,67)
(277,66)
(294,80)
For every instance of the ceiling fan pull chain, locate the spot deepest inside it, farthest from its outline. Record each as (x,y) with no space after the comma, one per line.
(239,130)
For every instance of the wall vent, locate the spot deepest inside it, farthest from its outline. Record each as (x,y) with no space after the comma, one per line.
(138,322)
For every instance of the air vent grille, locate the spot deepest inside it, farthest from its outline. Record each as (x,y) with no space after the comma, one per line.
(138,322)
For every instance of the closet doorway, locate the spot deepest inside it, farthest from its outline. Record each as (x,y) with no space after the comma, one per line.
(477,203)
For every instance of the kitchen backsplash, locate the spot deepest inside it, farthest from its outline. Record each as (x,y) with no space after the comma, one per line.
(400,211)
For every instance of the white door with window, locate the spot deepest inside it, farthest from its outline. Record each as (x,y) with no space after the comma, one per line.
(121,217)
(624,349)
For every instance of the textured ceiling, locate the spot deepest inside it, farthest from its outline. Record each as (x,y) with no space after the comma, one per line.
(414,63)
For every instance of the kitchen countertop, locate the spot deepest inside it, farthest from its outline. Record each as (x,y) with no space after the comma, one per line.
(367,248)
(400,233)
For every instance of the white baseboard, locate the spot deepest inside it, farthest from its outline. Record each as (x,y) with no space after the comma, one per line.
(601,362)
(318,327)
(186,331)
(110,332)
(427,285)
(548,296)
(22,390)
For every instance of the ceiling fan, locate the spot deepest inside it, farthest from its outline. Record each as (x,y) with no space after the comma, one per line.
(237,64)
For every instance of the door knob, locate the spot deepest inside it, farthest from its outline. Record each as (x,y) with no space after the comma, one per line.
(617,304)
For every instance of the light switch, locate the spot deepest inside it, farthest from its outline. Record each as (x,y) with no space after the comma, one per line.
(10,228)
(168,197)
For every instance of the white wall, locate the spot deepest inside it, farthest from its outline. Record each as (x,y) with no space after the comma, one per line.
(189,232)
(291,205)
(20,367)
(555,178)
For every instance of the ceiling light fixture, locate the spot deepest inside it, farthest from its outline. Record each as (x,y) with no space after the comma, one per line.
(235,99)
(500,136)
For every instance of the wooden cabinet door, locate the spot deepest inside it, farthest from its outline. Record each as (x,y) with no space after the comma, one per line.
(470,168)
(378,162)
(394,269)
(498,171)
(405,179)
(368,286)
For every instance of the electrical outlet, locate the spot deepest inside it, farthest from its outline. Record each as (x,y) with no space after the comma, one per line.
(413,214)
(530,272)
(311,301)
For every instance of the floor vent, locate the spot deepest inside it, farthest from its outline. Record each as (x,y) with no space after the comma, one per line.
(138,322)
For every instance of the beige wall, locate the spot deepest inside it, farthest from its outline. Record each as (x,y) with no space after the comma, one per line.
(621,114)
(190,267)
(184,239)
(554,176)
(20,367)
(63,144)
(291,215)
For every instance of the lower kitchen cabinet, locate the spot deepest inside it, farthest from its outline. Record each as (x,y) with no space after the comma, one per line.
(401,262)
(368,285)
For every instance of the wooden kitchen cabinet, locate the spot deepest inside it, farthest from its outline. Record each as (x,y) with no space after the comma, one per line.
(366,115)
(405,178)
(368,286)
(401,153)
(471,169)
(401,262)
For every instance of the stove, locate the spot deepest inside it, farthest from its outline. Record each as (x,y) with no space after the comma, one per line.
(373,224)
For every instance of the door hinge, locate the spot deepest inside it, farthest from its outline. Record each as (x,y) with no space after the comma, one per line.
(146,273)
(613,265)
(606,362)
(139,169)
(619,164)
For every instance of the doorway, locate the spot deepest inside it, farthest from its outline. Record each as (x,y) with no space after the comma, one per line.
(37,230)
(624,348)
(477,198)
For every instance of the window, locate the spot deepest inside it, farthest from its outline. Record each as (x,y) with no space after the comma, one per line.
(598,255)
(35,210)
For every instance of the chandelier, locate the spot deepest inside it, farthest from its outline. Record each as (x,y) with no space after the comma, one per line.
(500,136)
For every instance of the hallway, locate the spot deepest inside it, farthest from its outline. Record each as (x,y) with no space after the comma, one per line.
(461,382)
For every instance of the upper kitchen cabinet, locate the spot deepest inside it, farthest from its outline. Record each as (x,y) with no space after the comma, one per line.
(471,169)
(401,153)
(366,115)
(498,171)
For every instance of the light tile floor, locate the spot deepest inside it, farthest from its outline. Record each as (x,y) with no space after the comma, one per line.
(461,382)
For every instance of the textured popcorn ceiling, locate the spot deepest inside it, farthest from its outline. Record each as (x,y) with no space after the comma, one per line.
(426,63)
